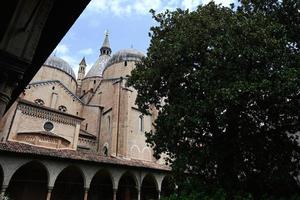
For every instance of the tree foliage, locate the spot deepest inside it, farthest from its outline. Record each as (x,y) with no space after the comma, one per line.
(226,82)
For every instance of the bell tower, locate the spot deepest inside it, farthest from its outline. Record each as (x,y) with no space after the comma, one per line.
(81,74)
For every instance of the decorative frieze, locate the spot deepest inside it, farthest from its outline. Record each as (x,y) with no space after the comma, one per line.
(43,140)
(43,113)
(86,142)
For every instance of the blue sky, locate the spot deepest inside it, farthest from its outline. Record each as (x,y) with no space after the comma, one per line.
(127,21)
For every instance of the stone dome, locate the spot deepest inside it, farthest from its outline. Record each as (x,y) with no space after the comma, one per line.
(125,55)
(58,63)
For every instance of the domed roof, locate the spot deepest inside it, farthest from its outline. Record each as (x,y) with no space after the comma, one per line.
(58,63)
(125,55)
(98,67)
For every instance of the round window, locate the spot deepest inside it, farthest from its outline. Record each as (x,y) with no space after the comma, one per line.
(48,126)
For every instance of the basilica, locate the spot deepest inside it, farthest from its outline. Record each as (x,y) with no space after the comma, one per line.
(81,138)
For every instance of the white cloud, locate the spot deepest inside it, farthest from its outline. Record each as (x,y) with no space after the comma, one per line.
(142,7)
(86,52)
(61,49)
(71,60)
(190,4)
(223,2)
(117,7)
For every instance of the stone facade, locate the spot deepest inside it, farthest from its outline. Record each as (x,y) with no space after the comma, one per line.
(94,115)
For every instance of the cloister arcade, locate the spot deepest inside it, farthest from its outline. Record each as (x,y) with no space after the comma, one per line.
(44,179)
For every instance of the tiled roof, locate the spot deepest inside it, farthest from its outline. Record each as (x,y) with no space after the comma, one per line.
(20,148)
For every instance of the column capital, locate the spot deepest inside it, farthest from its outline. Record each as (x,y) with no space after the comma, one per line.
(138,189)
(4,187)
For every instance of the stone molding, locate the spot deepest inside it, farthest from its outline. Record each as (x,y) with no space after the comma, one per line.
(54,82)
(46,113)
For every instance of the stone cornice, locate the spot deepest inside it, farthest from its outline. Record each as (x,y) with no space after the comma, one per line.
(35,110)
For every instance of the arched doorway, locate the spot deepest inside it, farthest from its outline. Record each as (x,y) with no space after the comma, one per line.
(101,187)
(29,182)
(69,185)
(167,186)
(149,189)
(127,188)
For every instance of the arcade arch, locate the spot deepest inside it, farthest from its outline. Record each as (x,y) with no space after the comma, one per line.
(101,186)
(127,187)
(69,184)
(30,181)
(149,188)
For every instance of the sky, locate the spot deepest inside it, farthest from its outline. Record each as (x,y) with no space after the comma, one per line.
(127,21)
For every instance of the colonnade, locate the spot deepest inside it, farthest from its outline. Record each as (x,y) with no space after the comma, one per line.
(51,180)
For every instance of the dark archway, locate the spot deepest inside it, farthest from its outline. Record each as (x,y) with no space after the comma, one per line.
(29,182)
(69,185)
(127,189)
(1,176)
(101,187)
(167,186)
(149,189)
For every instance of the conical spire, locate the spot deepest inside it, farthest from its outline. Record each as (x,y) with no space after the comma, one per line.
(82,62)
(106,40)
(105,49)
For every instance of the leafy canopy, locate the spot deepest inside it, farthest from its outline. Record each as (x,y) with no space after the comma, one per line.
(226,82)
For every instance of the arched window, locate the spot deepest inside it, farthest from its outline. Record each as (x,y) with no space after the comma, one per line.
(94,81)
(125,63)
(105,151)
(141,123)
(108,124)
(62,108)
(39,102)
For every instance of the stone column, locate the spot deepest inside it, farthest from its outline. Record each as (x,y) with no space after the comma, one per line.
(115,194)
(3,190)
(86,192)
(8,82)
(49,193)
(139,194)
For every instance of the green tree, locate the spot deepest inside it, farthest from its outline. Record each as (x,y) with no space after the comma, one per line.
(226,82)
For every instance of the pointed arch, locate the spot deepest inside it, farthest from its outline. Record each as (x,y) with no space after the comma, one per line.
(135,152)
(147,155)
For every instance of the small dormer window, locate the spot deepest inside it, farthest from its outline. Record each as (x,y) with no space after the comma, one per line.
(141,123)
(39,102)
(62,108)
(108,124)
(125,63)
